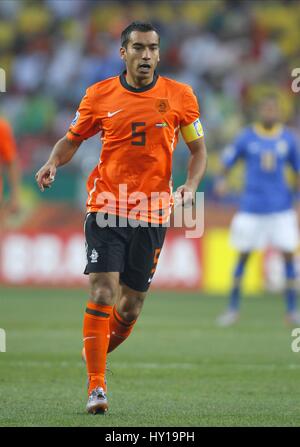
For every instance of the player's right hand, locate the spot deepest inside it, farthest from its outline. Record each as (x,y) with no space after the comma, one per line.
(46,176)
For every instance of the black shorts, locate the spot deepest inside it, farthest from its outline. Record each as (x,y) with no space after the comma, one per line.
(131,251)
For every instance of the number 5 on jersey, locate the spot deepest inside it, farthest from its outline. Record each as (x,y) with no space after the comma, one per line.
(138,138)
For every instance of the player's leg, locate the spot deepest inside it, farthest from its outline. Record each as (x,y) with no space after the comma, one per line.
(103,294)
(140,265)
(105,259)
(239,270)
(292,316)
(247,233)
(124,315)
(231,316)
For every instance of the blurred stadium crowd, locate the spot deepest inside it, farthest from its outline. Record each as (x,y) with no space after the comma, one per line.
(228,51)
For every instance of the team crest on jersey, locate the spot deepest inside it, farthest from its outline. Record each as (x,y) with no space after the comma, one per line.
(162,105)
(77,115)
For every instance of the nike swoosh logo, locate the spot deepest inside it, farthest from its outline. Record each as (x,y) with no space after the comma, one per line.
(87,338)
(110,114)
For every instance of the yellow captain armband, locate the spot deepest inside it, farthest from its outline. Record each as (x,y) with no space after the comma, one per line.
(193,131)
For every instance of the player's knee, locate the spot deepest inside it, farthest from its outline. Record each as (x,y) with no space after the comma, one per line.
(103,292)
(104,295)
(131,306)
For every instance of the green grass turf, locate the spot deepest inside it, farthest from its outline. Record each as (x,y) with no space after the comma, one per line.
(176,369)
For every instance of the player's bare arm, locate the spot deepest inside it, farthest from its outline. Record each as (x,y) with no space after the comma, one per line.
(196,169)
(61,154)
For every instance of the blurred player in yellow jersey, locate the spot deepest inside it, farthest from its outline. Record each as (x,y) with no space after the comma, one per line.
(139,115)
(9,165)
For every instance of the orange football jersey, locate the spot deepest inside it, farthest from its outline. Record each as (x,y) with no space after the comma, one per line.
(7,146)
(139,131)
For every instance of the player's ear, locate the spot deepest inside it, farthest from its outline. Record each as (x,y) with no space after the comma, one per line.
(123,53)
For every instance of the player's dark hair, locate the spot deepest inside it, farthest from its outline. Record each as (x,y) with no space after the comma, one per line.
(144,27)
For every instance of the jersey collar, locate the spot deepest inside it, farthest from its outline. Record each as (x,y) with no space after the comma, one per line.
(125,84)
(273,132)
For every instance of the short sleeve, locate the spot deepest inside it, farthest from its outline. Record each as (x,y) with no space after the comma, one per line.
(7,143)
(190,108)
(234,151)
(294,155)
(85,123)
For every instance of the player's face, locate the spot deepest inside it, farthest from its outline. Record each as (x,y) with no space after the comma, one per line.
(141,55)
(269,112)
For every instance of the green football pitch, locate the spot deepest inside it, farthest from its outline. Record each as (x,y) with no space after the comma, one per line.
(176,369)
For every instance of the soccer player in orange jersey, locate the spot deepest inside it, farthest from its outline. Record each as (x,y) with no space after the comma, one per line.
(9,163)
(139,115)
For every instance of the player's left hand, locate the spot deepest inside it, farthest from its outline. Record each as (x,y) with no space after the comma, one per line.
(184,196)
